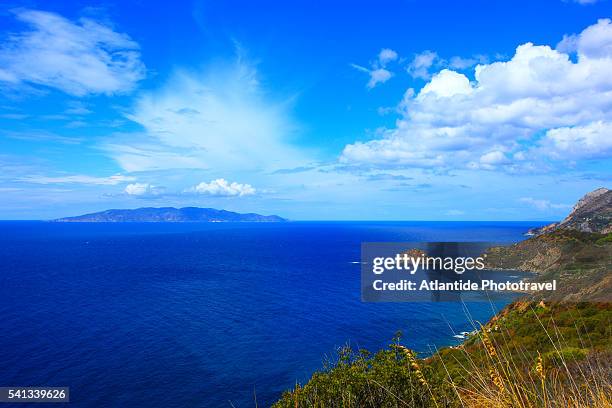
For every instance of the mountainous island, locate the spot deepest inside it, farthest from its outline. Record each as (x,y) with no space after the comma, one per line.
(171,214)
(552,350)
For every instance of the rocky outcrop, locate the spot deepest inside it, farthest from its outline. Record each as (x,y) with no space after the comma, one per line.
(577,252)
(592,213)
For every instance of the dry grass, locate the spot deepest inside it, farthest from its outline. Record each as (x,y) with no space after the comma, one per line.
(510,376)
(492,369)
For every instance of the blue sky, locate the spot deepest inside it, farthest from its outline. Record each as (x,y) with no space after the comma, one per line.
(387,110)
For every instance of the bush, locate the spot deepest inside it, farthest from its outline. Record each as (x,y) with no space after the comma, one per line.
(604,240)
(559,358)
(567,355)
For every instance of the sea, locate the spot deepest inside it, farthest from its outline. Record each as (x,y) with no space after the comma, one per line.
(206,314)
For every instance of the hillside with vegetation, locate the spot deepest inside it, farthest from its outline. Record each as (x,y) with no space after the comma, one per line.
(553,351)
(592,213)
(580,262)
(530,355)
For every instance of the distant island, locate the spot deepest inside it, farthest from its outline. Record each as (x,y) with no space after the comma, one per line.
(171,214)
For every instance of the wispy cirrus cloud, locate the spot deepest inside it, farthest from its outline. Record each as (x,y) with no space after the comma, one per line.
(77,57)
(294,170)
(220,117)
(541,204)
(584,2)
(41,136)
(77,179)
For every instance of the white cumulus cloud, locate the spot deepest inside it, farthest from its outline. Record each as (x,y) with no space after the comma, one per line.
(493,158)
(593,140)
(379,74)
(140,189)
(222,188)
(498,119)
(79,58)
(386,55)
(447,83)
(421,64)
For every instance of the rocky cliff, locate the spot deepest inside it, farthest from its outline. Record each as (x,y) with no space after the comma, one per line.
(577,251)
(592,213)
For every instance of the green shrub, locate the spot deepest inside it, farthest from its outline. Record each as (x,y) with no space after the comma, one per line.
(604,240)
(567,355)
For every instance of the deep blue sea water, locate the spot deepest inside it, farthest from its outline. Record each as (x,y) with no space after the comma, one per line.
(198,315)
